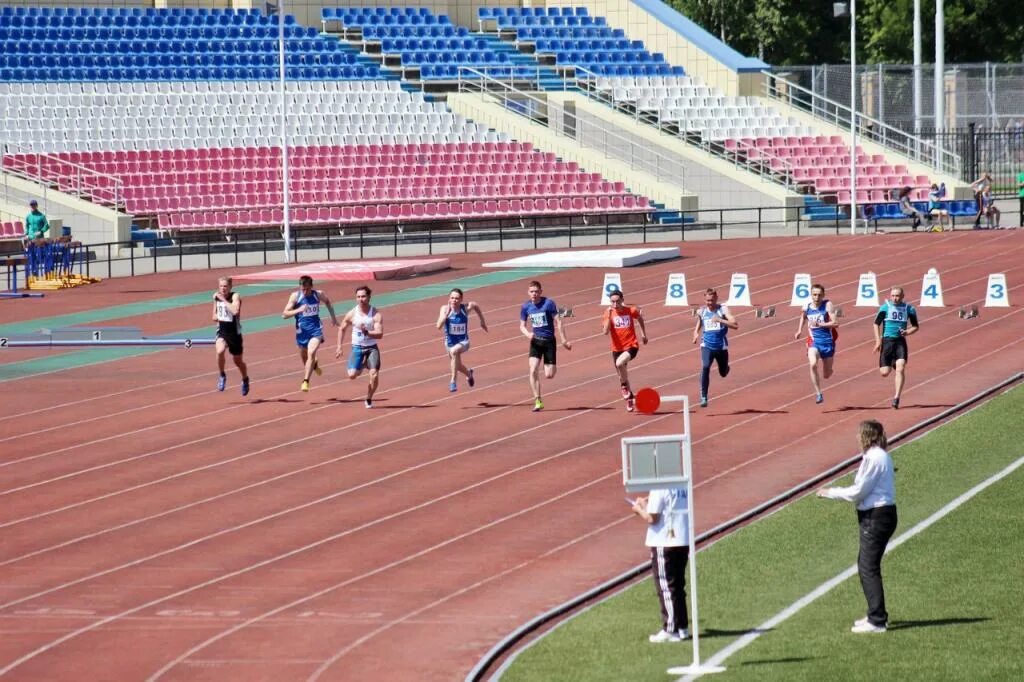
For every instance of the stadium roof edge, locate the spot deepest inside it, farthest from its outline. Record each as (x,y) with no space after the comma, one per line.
(701,38)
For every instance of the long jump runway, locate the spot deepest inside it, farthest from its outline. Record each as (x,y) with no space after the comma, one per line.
(153,528)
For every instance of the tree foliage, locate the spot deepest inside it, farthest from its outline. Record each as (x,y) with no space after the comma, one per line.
(789,32)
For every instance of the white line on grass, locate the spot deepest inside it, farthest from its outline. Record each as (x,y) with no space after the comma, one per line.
(826,586)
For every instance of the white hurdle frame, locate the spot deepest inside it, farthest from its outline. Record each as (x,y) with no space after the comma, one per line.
(695,668)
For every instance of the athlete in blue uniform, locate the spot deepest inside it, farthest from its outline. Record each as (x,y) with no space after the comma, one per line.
(304,306)
(538,320)
(713,324)
(894,322)
(227,313)
(453,319)
(821,336)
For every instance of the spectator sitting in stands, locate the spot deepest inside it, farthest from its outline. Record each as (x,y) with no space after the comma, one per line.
(907,208)
(979,186)
(992,213)
(36,224)
(935,209)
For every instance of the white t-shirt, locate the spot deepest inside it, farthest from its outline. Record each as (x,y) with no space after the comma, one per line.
(672,527)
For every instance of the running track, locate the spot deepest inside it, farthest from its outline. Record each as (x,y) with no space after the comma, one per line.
(152,528)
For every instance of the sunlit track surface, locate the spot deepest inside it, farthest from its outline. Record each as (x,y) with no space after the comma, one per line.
(299,536)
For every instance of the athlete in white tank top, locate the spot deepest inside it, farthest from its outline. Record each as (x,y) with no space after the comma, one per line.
(361,322)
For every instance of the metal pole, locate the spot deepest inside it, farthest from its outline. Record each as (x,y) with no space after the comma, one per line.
(940,66)
(853,116)
(286,223)
(917,66)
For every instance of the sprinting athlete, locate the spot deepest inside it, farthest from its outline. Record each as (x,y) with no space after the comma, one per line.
(227,313)
(453,319)
(895,321)
(713,324)
(821,336)
(618,323)
(304,306)
(367,328)
(538,320)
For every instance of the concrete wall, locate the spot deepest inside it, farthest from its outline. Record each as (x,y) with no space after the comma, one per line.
(89,223)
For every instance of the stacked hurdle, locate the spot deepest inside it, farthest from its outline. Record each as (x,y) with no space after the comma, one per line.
(49,265)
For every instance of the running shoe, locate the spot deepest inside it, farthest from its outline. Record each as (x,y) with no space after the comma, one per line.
(538,405)
(452,387)
(626,393)
(368,404)
(630,404)
(819,399)
(895,403)
(245,386)
(305,386)
(703,401)
(222,382)
(663,636)
(470,380)
(867,628)
(316,368)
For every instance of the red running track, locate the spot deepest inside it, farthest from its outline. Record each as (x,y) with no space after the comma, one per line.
(152,528)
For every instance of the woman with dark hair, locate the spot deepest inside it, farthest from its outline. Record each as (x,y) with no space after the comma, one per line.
(907,208)
(874,493)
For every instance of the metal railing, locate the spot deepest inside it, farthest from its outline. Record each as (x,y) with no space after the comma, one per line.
(568,124)
(920,150)
(211,249)
(53,172)
(777,170)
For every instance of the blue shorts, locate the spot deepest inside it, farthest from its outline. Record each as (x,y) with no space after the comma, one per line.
(825,350)
(364,357)
(303,337)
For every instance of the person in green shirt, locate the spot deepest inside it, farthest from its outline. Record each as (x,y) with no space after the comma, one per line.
(1020,193)
(36,224)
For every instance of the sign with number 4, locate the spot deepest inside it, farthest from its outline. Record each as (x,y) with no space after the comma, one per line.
(931,290)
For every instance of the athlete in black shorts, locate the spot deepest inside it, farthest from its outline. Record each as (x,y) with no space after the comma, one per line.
(227,313)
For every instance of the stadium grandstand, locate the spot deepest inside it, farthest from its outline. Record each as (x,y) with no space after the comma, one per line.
(174,116)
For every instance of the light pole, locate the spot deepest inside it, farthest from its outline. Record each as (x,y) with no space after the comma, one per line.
(286,221)
(917,66)
(840,9)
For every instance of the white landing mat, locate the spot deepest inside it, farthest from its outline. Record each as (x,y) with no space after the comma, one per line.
(610,258)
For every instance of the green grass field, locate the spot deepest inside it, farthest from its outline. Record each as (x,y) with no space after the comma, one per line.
(954,592)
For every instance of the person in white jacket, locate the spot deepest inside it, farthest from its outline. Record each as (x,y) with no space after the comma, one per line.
(874,493)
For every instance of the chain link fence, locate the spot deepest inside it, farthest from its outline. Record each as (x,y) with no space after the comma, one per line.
(988,95)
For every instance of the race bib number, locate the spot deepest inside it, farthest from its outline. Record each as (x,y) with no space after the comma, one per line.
(712,325)
(312,310)
(897,314)
(815,320)
(539,320)
(457,329)
(622,322)
(223,314)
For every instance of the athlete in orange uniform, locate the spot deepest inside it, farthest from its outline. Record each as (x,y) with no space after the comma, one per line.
(620,322)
